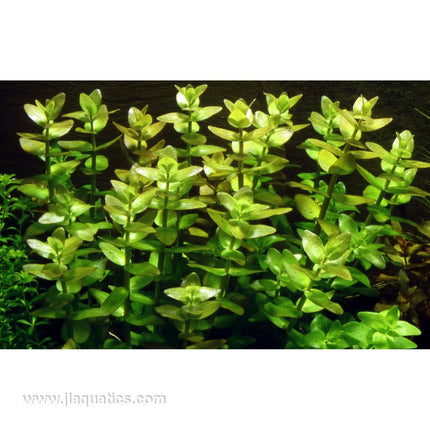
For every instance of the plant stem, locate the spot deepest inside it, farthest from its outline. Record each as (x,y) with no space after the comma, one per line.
(48,164)
(162,254)
(93,168)
(240,163)
(382,193)
(128,259)
(256,177)
(226,282)
(189,145)
(186,333)
(331,186)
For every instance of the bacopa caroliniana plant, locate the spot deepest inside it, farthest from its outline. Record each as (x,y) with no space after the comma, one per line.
(198,245)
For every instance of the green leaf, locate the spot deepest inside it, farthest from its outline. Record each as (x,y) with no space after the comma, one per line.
(81,331)
(233,255)
(143,320)
(87,104)
(51,218)
(409,190)
(310,143)
(338,270)
(337,245)
(202,310)
(208,344)
(266,213)
(308,208)
(280,137)
(370,254)
(218,271)
(143,269)
(60,300)
(77,273)
(96,97)
(319,123)
(313,246)
(321,299)
(328,228)
(348,126)
(374,320)
(204,113)
(370,124)
(224,133)
(173,118)
(343,166)
(256,134)
(241,271)
(347,224)
(36,114)
(372,180)
(171,312)
(141,298)
(239,229)
(358,333)
(112,253)
(282,308)
(115,299)
(75,145)
(32,146)
(35,191)
(231,306)
(194,139)
(41,248)
(315,339)
(350,200)
(65,167)
(265,284)
(166,235)
(59,129)
(50,313)
(326,159)
(102,163)
(185,204)
(70,344)
(88,313)
(396,342)
(151,173)
(414,164)
(143,201)
(403,328)
(139,282)
(200,150)
(183,174)
(260,230)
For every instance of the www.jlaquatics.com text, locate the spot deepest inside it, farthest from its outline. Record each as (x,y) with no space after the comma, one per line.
(71,399)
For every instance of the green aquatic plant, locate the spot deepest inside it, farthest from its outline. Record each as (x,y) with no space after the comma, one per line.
(201,245)
(19,290)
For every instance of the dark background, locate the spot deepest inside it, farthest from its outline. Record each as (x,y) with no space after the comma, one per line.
(397,99)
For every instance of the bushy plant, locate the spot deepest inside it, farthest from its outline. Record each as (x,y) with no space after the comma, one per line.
(19,290)
(198,245)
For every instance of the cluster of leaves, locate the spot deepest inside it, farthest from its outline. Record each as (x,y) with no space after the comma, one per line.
(406,285)
(19,290)
(192,246)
